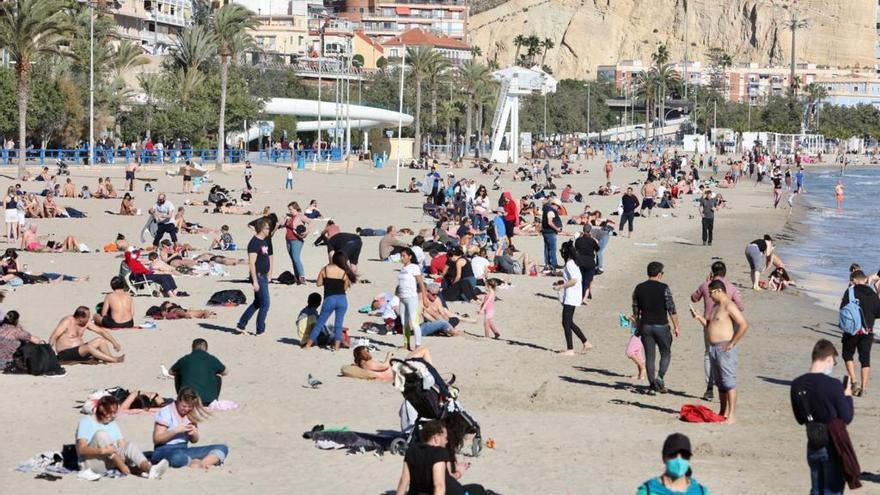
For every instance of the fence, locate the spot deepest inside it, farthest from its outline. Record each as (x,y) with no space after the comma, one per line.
(125,156)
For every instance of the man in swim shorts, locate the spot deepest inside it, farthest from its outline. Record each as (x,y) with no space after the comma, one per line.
(130,169)
(724,328)
(117,310)
(69,344)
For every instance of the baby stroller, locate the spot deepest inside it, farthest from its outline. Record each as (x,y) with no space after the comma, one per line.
(432,398)
(63,168)
(218,195)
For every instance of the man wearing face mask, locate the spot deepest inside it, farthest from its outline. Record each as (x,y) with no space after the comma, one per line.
(677,478)
(817,399)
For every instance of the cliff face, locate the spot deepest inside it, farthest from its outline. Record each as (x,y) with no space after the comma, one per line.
(587,33)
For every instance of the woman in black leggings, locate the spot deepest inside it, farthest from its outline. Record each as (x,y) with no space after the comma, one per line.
(571,297)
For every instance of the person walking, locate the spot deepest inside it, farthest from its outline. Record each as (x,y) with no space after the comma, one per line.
(570,297)
(718,271)
(653,308)
(336,278)
(296,229)
(163,212)
(551,225)
(260,270)
(863,337)
(708,205)
(630,203)
(586,249)
(817,400)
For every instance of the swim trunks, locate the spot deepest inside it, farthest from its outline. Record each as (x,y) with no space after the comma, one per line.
(723,364)
(108,322)
(71,354)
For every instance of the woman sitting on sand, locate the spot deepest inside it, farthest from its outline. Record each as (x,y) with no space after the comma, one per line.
(127,206)
(101,446)
(11,337)
(30,241)
(382,370)
(32,206)
(177,424)
(111,190)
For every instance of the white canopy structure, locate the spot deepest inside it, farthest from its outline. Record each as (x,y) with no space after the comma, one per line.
(515,82)
(331,114)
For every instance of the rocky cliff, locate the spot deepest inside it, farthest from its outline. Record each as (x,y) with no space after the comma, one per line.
(587,33)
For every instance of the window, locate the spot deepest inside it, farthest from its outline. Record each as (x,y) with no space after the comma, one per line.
(855,89)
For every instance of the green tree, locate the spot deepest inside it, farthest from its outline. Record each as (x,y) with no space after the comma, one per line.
(661,56)
(284,125)
(437,75)
(546,44)
(471,75)
(231,25)
(27,29)
(421,60)
(519,41)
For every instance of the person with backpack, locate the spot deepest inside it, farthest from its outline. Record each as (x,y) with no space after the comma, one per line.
(817,400)
(677,479)
(859,307)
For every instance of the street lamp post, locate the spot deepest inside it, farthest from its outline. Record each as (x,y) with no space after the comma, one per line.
(91,152)
(400,120)
(588,111)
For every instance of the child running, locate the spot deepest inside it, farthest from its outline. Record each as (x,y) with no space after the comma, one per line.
(487,308)
(635,351)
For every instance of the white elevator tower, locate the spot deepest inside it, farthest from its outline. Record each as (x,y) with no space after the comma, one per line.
(515,82)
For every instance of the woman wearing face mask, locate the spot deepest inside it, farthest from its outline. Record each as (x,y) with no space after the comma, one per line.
(676,479)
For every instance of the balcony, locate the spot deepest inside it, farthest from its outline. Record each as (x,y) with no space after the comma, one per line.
(440,3)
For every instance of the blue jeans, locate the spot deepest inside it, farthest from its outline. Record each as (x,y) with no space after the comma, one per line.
(432,327)
(600,256)
(288,184)
(825,474)
(294,249)
(337,304)
(54,276)
(549,249)
(261,303)
(179,455)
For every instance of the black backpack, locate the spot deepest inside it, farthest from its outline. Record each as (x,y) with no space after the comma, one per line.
(36,359)
(286,278)
(231,297)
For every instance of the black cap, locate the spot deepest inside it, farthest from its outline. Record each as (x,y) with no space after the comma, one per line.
(675,444)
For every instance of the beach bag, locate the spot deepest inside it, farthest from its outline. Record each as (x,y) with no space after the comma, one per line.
(231,297)
(286,278)
(850,317)
(36,359)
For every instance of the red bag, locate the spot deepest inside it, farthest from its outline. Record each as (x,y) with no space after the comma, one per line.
(693,413)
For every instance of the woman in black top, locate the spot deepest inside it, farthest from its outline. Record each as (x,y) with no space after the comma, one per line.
(456,277)
(426,466)
(272,219)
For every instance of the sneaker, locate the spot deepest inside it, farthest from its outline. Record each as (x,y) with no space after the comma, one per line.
(159,469)
(651,391)
(88,475)
(709,395)
(660,386)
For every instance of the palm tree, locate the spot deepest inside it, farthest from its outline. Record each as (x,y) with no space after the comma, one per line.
(471,74)
(420,60)
(438,74)
(519,41)
(668,81)
(194,47)
(150,83)
(125,56)
(646,88)
(547,44)
(814,94)
(231,25)
(485,95)
(534,47)
(27,29)
(661,56)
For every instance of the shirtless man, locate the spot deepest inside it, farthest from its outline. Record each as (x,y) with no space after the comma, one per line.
(69,190)
(67,339)
(608,169)
(436,317)
(50,208)
(724,328)
(649,191)
(117,311)
(130,169)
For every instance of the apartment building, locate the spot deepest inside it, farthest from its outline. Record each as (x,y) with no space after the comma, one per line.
(851,89)
(152,24)
(384,20)
(752,82)
(454,50)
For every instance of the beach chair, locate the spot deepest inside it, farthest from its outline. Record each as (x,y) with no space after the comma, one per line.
(138,286)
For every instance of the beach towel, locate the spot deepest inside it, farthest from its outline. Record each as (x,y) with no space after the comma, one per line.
(693,413)
(151,227)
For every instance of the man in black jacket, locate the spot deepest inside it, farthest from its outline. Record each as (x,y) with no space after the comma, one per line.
(819,398)
(864,338)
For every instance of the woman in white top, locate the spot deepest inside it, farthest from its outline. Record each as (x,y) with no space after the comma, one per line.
(571,298)
(482,203)
(410,284)
(11,203)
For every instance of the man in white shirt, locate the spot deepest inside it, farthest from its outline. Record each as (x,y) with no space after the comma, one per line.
(163,211)
(479,264)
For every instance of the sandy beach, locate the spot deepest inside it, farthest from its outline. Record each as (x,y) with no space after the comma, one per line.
(562,425)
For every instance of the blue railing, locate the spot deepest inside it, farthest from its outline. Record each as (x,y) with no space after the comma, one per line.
(110,156)
(295,156)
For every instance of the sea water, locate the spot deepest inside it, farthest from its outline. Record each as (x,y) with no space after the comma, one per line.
(835,238)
